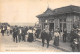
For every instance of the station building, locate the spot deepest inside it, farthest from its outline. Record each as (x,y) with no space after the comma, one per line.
(67,17)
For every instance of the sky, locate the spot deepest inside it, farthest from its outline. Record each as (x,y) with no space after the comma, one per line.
(25,11)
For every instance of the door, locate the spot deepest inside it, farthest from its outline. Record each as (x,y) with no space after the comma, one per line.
(51,26)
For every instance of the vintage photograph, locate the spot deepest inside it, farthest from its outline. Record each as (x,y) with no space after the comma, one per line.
(39,25)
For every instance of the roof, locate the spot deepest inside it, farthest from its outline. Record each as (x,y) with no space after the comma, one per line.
(67,9)
(62,10)
(46,13)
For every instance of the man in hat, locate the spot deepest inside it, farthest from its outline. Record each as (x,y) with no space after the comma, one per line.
(15,34)
(45,35)
(23,34)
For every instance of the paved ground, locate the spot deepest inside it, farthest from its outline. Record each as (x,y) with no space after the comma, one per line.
(8,45)
(64,46)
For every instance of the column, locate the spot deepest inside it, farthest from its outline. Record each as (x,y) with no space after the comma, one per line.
(62,26)
(56,24)
(68,23)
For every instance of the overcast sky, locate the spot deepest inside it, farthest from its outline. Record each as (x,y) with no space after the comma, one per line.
(25,11)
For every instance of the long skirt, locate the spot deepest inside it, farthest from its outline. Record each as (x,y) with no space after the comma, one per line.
(56,41)
(2,31)
(30,37)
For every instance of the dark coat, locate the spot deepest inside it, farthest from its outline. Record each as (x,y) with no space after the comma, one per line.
(15,32)
(73,35)
(37,33)
(45,35)
(65,34)
(24,31)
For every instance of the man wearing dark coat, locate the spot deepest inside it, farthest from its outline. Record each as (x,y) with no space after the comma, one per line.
(73,35)
(15,33)
(37,33)
(45,36)
(23,34)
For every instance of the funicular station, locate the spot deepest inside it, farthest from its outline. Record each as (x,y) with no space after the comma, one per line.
(67,17)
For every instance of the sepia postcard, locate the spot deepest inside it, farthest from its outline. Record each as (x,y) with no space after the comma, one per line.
(39,25)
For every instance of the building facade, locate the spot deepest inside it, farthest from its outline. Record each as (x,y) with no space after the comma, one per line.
(67,17)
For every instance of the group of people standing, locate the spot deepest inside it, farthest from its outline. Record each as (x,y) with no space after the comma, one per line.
(20,33)
(24,34)
(5,29)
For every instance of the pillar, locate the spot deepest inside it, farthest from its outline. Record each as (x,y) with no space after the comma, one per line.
(56,24)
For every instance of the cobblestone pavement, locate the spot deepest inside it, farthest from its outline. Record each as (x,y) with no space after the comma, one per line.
(8,45)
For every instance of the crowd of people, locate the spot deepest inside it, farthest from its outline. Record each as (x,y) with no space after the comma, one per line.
(20,33)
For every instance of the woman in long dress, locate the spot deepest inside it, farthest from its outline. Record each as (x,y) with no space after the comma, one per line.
(56,39)
(30,35)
